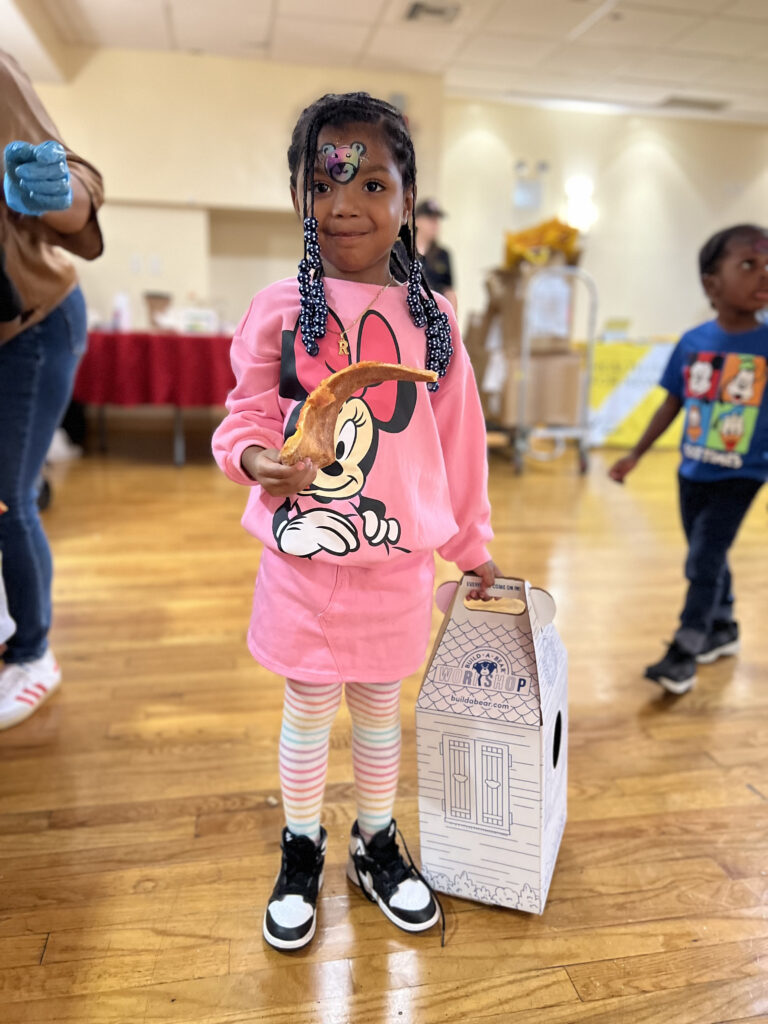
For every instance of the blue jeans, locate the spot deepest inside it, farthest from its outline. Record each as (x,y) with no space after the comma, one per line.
(712,514)
(37,371)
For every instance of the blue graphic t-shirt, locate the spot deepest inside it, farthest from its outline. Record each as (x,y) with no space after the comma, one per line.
(721,380)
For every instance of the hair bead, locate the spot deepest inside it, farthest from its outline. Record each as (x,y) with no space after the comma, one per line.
(313,308)
(414,294)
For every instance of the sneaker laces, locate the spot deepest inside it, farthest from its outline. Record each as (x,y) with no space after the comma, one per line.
(432,892)
(389,863)
(300,862)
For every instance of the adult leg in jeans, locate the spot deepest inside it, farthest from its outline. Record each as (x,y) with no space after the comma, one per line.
(712,514)
(37,370)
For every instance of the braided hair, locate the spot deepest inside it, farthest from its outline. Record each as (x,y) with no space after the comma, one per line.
(342,109)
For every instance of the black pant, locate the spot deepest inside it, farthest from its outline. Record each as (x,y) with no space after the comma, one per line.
(712,514)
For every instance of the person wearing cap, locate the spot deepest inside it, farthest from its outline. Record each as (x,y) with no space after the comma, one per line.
(437,260)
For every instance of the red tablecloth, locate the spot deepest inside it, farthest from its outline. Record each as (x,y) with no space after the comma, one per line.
(154,369)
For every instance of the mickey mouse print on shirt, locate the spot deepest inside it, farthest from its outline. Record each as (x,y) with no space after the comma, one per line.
(308,525)
(723,392)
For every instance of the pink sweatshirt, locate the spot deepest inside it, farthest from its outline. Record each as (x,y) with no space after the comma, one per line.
(411,473)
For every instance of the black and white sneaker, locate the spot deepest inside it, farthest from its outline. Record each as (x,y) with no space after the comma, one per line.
(722,641)
(399,888)
(676,671)
(291,915)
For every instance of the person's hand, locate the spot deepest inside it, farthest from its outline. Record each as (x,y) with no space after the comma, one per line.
(621,467)
(487,572)
(37,178)
(264,466)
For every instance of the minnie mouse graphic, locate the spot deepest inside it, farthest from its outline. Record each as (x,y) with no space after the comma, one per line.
(307,525)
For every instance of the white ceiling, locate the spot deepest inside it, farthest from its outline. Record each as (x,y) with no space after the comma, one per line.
(631,54)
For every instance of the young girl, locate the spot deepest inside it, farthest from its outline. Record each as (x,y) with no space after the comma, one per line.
(344,589)
(718,371)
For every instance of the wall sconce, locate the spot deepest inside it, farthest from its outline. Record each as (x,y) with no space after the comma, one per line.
(527,192)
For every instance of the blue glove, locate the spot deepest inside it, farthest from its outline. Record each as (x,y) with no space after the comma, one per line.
(36,178)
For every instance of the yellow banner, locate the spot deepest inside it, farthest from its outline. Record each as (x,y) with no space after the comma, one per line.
(624,393)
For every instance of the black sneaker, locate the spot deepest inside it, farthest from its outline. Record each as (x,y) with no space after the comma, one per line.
(676,671)
(722,641)
(399,888)
(291,916)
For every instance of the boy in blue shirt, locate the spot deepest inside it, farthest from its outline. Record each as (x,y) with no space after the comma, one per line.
(718,371)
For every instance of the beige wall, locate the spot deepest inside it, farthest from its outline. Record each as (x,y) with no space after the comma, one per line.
(248,251)
(147,248)
(661,187)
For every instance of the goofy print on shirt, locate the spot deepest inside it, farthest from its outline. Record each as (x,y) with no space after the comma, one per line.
(307,525)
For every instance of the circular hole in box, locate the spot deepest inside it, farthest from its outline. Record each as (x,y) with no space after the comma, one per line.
(557,739)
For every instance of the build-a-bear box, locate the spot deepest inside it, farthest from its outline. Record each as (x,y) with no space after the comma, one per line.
(492,738)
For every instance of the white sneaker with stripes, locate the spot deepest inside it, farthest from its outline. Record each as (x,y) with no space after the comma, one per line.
(24,687)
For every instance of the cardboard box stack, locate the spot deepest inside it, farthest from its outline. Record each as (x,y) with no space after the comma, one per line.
(494,339)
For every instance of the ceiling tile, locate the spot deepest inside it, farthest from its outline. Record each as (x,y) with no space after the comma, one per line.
(741,76)
(673,67)
(431,64)
(317,42)
(366,12)
(577,59)
(745,101)
(414,46)
(140,24)
(491,79)
(555,18)
(757,9)
(730,38)
(200,25)
(634,94)
(504,51)
(626,26)
(701,7)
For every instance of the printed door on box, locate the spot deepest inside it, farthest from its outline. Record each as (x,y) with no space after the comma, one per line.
(476,780)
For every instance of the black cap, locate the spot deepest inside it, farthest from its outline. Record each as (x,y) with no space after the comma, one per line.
(428,208)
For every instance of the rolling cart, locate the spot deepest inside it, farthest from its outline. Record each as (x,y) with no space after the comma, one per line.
(525,434)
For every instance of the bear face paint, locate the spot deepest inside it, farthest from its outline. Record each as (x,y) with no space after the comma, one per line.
(342,162)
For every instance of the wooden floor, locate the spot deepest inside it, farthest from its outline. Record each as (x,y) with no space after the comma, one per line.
(139,828)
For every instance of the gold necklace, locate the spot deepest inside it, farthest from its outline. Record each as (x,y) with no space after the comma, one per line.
(344,336)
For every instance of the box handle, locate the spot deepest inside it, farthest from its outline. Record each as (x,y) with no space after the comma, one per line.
(542,601)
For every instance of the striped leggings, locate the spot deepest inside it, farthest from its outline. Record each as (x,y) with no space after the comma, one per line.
(308,713)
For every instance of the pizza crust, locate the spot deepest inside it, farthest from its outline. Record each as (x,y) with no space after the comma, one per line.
(315,430)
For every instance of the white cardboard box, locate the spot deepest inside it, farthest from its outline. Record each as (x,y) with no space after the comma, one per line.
(492,739)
